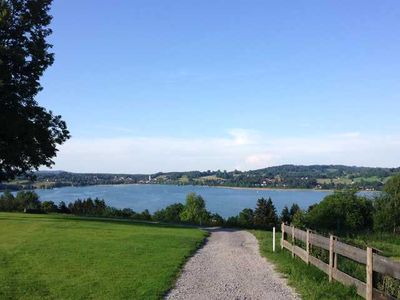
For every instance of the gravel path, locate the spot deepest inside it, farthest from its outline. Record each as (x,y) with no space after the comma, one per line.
(230,266)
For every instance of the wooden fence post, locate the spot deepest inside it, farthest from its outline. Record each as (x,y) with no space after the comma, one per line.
(330,257)
(335,258)
(369,285)
(292,240)
(308,245)
(283,234)
(273,239)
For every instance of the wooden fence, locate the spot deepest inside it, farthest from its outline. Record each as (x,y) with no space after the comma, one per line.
(368,257)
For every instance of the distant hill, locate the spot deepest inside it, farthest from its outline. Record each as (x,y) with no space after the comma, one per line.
(284,176)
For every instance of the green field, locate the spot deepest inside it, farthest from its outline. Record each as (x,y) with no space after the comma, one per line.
(348,181)
(56,257)
(308,281)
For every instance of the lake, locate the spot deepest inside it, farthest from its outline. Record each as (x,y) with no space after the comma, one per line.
(225,201)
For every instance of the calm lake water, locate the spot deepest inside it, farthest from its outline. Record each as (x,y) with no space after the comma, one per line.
(225,201)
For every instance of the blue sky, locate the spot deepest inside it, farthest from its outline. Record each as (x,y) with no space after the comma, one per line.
(151,86)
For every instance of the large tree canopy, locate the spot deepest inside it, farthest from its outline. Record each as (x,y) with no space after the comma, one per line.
(29,134)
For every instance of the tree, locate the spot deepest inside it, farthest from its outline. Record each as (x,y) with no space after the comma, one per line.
(27,200)
(29,134)
(145,215)
(62,208)
(170,214)
(265,214)
(232,221)
(293,210)
(285,215)
(49,206)
(195,210)
(387,206)
(299,219)
(246,218)
(216,220)
(343,211)
(7,202)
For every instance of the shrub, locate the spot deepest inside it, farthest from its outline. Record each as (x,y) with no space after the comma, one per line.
(387,207)
(195,211)
(342,211)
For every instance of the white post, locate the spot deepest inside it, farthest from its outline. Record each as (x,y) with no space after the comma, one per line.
(273,239)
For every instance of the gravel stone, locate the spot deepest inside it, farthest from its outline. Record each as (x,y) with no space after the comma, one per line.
(229,266)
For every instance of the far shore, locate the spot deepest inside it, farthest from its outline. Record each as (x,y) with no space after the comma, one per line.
(273,189)
(203,185)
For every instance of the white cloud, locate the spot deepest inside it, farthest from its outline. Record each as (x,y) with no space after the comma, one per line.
(244,136)
(352,134)
(240,149)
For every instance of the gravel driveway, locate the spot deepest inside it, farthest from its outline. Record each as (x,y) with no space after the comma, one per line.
(230,266)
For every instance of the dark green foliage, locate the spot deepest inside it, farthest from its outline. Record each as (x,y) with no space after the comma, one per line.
(169,214)
(285,215)
(288,215)
(49,207)
(145,215)
(88,207)
(23,201)
(293,210)
(216,220)
(246,218)
(343,211)
(62,208)
(392,187)
(29,134)
(387,216)
(265,214)
(299,219)
(7,202)
(232,221)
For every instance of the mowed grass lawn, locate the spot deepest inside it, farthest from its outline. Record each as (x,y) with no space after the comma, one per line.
(57,257)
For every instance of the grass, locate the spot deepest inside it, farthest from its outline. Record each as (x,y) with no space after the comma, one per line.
(55,257)
(308,281)
(348,181)
(388,243)
(209,178)
(341,180)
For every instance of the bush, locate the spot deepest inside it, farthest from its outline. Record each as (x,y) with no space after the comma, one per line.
(387,207)
(342,211)
(246,218)
(49,207)
(169,214)
(195,211)
(23,201)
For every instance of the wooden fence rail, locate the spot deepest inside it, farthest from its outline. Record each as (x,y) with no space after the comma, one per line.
(373,261)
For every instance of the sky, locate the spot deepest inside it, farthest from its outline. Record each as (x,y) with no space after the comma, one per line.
(148,86)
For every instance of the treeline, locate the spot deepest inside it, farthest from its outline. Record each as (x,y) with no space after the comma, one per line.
(343,212)
(288,176)
(346,212)
(28,201)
